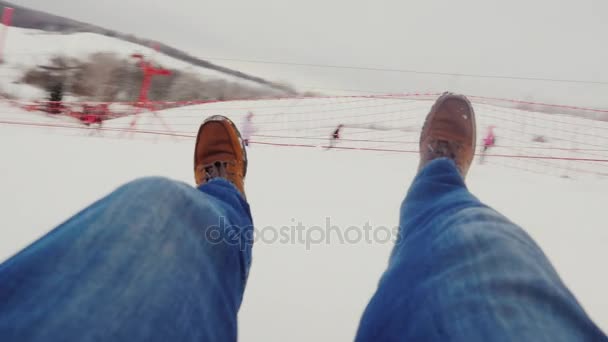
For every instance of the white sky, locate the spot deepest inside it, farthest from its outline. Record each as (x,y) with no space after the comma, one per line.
(554,39)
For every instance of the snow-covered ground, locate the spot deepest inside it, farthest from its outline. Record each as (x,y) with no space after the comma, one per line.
(297,293)
(27,48)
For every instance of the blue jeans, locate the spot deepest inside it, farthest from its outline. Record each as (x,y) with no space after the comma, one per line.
(158,260)
(462,271)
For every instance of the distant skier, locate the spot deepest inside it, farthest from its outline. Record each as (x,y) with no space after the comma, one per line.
(248,129)
(488,141)
(335,136)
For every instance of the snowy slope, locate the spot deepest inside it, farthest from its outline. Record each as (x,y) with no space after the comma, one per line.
(573,147)
(297,293)
(26,48)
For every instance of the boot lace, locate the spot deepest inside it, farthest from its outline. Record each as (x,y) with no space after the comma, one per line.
(221,169)
(444,148)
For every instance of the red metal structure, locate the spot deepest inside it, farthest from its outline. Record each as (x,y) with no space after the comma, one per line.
(7,18)
(149,71)
(143,101)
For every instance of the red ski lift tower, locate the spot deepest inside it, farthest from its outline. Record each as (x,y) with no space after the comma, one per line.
(149,71)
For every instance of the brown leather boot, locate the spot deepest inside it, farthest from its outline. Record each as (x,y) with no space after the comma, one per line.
(449,131)
(219,152)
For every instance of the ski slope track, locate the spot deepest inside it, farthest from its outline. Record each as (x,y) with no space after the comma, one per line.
(51,168)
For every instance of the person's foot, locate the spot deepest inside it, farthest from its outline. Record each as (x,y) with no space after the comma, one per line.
(449,131)
(219,152)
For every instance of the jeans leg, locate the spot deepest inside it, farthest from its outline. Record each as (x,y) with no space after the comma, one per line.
(461,271)
(156,260)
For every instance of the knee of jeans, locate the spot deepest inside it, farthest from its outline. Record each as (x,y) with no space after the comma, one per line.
(485,228)
(150,184)
(179,213)
(158,201)
(161,198)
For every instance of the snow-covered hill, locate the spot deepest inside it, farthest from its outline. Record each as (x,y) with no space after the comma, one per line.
(27,48)
(52,168)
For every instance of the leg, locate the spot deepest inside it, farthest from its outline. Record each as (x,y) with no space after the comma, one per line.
(156,260)
(482,155)
(461,271)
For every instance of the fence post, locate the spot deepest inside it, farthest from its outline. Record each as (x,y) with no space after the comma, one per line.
(7,18)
